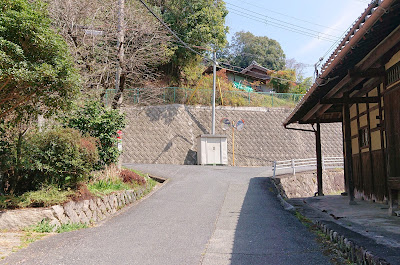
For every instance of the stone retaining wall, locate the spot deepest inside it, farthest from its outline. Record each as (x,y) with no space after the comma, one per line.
(167,135)
(304,184)
(86,211)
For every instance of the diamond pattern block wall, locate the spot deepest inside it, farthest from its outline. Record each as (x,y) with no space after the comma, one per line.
(167,135)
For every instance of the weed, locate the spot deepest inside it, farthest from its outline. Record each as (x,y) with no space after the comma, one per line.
(105,187)
(46,196)
(43,226)
(129,176)
(70,227)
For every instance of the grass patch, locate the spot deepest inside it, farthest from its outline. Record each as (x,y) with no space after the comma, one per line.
(329,248)
(70,227)
(105,187)
(45,197)
(43,226)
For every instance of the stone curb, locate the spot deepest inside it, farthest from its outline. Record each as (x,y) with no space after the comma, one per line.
(352,251)
(86,211)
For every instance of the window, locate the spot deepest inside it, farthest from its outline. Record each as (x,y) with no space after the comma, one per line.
(363,136)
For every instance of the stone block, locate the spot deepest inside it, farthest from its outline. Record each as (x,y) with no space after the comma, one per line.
(85,205)
(83,218)
(69,209)
(92,204)
(89,214)
(59,213)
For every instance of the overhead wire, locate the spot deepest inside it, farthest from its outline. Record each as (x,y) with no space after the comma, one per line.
(283,23)
(173,33)
(302,32)
(292,17)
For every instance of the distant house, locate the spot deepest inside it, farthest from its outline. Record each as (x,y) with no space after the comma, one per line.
(359,86)
(253,78)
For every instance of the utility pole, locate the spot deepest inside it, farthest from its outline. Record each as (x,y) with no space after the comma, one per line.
(120,76)
(214,88)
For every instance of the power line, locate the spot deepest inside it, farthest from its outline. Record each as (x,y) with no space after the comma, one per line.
(295,18)
(309,34)
(283,23)
(173,33)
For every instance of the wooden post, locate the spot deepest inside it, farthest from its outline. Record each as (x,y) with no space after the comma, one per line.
(319,159)
(349,153)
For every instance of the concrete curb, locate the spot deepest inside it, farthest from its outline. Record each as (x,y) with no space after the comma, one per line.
(287,206)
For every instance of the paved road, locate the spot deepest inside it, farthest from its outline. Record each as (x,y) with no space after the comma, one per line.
(203,215)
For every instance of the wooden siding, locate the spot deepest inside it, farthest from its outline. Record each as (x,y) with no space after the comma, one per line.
(369,176)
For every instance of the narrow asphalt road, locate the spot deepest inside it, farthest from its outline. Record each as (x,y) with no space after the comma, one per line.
(203,215)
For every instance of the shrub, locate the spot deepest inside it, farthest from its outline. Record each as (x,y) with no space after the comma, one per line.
(129,176)
(100,122)
(61,157)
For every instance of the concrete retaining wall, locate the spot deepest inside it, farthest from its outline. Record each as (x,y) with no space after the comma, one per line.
(167,135)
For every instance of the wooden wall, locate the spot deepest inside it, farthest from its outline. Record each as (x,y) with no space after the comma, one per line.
(369,170)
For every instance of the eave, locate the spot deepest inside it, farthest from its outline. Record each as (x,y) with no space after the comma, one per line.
(355,66)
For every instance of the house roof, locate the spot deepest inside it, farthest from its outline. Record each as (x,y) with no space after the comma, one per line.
(256,70)
(356,64)
(247,74)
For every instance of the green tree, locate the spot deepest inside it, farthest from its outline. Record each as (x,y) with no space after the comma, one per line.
(302,86)
(36,71)
(246,47)
(283,81)
(99,122)
(198,23)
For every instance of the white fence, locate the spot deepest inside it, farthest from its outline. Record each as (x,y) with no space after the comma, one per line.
(327,162)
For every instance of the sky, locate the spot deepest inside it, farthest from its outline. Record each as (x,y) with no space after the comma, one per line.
(305,29)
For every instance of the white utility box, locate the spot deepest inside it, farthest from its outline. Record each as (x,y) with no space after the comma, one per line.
(212,149)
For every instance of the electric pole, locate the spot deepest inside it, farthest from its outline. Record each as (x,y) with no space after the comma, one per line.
(214,85)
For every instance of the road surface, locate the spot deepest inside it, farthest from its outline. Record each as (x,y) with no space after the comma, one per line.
(202,215)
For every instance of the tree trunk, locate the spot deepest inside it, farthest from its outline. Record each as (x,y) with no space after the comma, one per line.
(120,75)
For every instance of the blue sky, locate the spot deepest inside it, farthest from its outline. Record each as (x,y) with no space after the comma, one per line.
(321,23)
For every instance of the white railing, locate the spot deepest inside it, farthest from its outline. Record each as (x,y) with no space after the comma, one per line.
(327,162)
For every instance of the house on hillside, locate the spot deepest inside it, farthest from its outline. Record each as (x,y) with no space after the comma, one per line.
(359,86)
(253,78)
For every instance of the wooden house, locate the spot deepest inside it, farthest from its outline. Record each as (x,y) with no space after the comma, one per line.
(252,74)
(359,86)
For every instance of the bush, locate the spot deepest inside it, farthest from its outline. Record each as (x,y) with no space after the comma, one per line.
(97,121)
(129,176)
(61,157)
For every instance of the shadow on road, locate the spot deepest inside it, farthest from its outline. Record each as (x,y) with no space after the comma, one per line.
(267,234)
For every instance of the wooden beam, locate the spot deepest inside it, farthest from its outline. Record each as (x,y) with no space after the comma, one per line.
(368,73)
(369,60)
(354,100)
(349,153)
(369,85)
(321,120)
